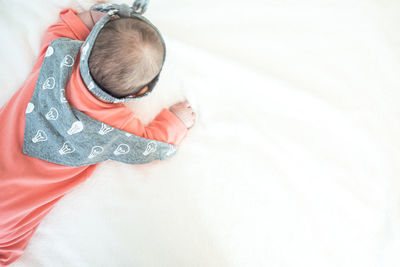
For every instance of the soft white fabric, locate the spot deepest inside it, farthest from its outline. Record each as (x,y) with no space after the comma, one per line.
(294,160)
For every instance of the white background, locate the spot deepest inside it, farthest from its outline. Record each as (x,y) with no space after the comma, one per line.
(294,160)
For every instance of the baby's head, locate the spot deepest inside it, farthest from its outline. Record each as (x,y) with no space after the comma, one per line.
(127,54)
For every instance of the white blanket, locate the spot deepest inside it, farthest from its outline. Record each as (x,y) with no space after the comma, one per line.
(294,160)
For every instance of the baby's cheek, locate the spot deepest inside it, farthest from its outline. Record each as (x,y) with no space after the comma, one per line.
(142,91)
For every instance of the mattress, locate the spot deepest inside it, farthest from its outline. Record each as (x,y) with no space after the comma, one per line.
(293,161)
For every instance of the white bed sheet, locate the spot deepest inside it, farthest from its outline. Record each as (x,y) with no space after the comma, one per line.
(293,161)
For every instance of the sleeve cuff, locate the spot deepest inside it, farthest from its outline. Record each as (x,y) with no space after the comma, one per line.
(176,128)
(174,119)
(70,18)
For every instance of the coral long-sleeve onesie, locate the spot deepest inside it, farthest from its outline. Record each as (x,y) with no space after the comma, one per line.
(30,187)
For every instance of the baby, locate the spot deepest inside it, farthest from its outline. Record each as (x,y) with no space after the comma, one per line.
(124,62)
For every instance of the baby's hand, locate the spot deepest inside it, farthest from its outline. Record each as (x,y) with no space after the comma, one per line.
(184,111)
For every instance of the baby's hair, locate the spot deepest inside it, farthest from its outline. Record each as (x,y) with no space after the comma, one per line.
(126,55)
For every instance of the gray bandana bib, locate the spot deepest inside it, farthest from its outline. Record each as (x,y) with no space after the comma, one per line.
(59,133)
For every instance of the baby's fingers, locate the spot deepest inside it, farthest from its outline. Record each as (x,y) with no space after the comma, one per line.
(186,103)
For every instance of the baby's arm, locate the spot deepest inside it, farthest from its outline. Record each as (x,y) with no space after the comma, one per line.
(167,126)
